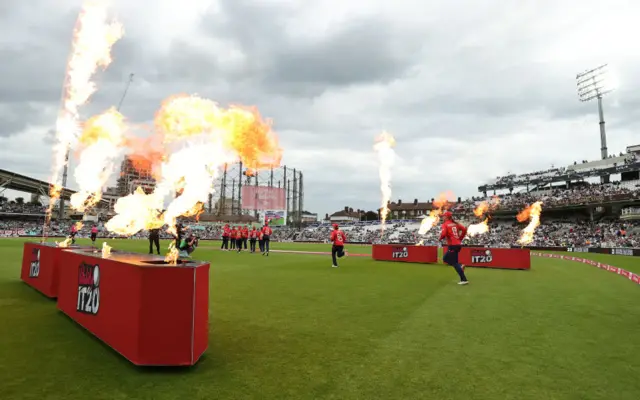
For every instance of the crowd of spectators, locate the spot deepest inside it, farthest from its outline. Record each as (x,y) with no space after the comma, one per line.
(550,233)
(578,195)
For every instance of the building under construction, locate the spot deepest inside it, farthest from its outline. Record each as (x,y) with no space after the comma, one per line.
(134,173)
(227,203)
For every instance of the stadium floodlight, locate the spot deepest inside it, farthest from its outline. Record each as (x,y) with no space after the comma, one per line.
(593,84)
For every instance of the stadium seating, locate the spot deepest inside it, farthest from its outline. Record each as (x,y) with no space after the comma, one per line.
(552,232)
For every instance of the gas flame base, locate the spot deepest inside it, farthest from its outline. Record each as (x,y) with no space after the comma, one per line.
(150,312)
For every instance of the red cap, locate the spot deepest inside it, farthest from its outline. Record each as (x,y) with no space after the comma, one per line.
(448,214)
(335,225)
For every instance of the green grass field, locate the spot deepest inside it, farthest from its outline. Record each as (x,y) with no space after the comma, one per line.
(290,327)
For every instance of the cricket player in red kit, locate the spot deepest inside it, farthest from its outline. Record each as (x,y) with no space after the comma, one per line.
(226,233)
(453,232)
(338,238)
(253,236)
(266,238)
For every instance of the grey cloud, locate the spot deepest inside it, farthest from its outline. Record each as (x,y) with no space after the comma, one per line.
(16,117)
(367,50)
(422,82)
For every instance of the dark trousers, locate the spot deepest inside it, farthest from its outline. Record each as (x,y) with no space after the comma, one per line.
(244,242)
(233,243)
(154,240)
(265,248)
(451,258)
(225,242)
(73,238)
(261,245)
(336,252)
(239,244)
(252,244)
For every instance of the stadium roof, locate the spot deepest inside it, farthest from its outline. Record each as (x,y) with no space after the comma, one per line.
(23,183)
(605,167)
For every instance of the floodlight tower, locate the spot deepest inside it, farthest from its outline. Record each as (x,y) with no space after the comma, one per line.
(594,84)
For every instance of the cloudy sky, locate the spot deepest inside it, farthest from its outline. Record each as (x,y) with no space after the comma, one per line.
(470,89)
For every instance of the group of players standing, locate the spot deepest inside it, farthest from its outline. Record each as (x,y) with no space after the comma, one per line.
(236,238)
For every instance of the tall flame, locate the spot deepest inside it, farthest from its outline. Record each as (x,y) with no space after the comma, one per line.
(106,250)
(486,207)
(101,140)
(64,243)
(93,38)
(439,204)
(173,255)
(199,138)
(531,213)
(136,212)
(430,221)
(384,144)
(478,229)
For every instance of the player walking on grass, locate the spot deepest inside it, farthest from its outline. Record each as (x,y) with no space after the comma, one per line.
(338,238)
(453,232)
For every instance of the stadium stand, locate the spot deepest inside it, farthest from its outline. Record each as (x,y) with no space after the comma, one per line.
(575,212)
(561,228)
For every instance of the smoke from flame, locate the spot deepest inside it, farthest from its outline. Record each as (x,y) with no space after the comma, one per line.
(93,38)
(531,213)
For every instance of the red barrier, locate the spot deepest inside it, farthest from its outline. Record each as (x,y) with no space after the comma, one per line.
(152,314)
(40,266)
(402,253)
(503,258)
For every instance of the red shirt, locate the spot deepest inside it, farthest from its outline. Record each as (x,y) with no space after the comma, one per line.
(266,231)
(94,230)
(239,234)
(453,232)
(260,235)
(338,237)
(245,233)
(226,231)
(253,234)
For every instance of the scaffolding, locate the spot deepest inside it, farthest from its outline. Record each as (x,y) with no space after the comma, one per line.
(227,197)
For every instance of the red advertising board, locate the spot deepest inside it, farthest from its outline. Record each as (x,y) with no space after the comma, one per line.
(152,314)
(263,198)
(403,253)
(503,258)
(40,263)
